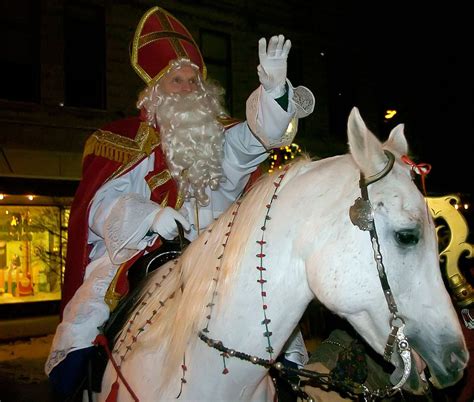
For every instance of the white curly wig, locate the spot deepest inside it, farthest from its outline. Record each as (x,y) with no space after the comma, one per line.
(192,138)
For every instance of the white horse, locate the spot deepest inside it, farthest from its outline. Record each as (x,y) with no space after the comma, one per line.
(210,322)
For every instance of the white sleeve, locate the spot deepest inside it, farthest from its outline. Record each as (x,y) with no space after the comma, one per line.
(295,349)
(244,151)
(243,145)
(267,119)
(273,126)
(121,214)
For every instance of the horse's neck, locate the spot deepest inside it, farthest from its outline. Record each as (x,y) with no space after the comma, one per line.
(270,283)
(263,288)
(281,300)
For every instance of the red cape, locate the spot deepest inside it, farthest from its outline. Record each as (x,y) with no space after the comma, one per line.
(109,152)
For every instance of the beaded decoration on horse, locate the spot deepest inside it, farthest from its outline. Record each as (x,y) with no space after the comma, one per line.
(261,280)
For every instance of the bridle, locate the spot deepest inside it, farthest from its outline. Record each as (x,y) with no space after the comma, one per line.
(362,216)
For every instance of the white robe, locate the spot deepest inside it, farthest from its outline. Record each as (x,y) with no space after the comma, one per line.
(121,214)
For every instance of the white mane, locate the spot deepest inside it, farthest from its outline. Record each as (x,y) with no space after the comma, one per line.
(180,300)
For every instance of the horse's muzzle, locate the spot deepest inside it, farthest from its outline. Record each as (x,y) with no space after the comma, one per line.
(441,373)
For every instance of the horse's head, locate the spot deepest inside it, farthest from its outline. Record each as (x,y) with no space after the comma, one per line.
(395,253)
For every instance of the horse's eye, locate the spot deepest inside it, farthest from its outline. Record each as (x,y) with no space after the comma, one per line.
(407,237)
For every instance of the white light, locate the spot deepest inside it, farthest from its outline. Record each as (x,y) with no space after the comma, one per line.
(2,196)
(30,197)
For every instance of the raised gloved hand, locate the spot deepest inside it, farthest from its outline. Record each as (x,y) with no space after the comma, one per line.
(165,223)
(272,68)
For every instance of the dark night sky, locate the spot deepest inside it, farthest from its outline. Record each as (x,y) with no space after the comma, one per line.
(419,60)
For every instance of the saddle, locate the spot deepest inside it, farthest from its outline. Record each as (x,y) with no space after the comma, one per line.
(137,276)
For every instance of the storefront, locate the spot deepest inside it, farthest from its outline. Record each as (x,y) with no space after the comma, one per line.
(34,214)
(33,241)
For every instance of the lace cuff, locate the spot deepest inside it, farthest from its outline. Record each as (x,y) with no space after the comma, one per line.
(127,227)
(267,123)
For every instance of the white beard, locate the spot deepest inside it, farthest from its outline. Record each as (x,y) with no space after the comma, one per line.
(192,138)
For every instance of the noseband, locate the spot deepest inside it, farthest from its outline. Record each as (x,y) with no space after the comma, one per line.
(362,216)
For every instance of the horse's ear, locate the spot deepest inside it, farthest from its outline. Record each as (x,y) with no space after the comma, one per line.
(397,141)
(365,148)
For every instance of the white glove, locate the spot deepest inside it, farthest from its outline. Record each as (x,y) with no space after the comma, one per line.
(272,68)
(165,223)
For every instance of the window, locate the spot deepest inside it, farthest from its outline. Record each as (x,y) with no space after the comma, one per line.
(215,48)
(32,252)
(19,54)
(84,56)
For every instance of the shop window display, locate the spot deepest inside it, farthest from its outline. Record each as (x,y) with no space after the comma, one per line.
(32,252)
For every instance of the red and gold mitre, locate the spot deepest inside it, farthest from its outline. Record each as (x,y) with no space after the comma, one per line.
(159,39)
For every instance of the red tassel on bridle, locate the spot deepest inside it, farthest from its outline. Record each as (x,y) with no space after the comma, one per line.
(112,397)
(419,168)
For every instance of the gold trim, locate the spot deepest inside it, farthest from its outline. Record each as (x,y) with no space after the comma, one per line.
(110,146)
(112,298)
(160,75)
(179,200)
(136,39)
(121,149)
(155,36)
(136,44)
(159,179)
(228,121)
(147,139)
(164,203)
(177,46)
